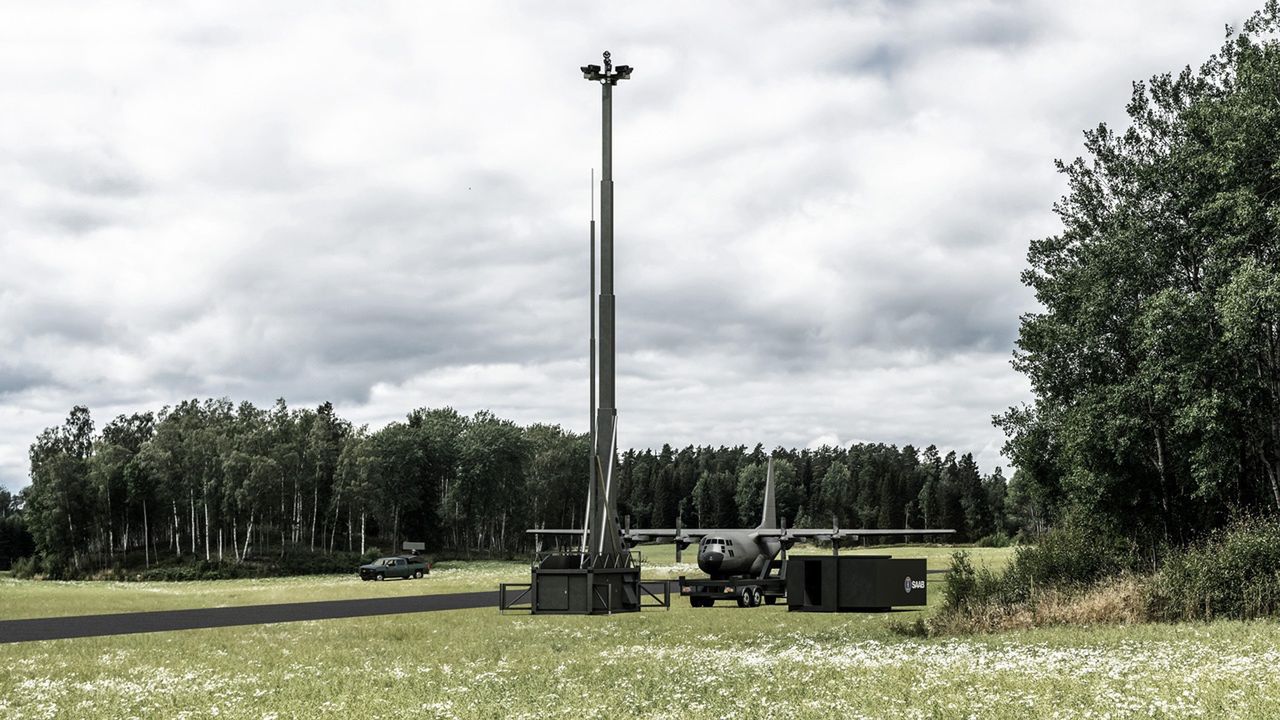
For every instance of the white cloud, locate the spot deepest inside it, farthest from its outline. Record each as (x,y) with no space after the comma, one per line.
(823,208)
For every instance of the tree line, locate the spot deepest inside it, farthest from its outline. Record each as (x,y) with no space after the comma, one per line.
(864,485)
(216,481)
(1155,361)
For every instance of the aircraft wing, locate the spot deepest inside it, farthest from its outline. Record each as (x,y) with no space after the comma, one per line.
(833,533)
(687,535)
(655,532)
(640,535)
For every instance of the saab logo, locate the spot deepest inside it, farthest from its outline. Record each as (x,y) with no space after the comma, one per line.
(908,584)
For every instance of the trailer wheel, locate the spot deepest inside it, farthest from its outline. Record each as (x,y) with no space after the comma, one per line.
(744,597)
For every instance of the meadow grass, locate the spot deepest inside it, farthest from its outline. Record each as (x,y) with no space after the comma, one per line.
(29,599)
(718,663)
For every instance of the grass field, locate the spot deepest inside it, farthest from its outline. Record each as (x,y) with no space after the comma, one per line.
(714,663)
(23,599)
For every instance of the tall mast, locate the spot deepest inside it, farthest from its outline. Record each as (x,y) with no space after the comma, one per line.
(602,528)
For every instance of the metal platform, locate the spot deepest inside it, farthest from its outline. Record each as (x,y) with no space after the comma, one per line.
(584,584)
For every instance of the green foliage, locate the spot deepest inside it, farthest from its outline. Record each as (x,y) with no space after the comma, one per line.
(195,570)
(57,567)
(300,561)
(749,495)
(231,484)
(1072,555)
(713,498)
(962,583)
(15,540)
(25,567)
(1234,573)
(997,539)
(1156,360)
(1068,558)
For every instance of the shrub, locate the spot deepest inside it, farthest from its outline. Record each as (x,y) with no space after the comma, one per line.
(1066,558)
(1055,579)
(997,539)
(25,567)
(1120,600)
(962,583)
(56,567)
(1233,573)
(966,585)
(1069,556)
(317,563)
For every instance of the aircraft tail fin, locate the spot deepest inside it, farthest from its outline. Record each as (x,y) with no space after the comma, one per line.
(769,516)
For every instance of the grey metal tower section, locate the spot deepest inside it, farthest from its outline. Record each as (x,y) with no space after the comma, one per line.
(601,536)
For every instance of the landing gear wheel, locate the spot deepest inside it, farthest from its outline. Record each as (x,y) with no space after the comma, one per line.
(417,574)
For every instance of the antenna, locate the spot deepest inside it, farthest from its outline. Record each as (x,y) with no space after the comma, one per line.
(591,414)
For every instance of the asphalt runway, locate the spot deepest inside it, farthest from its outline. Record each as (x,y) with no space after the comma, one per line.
(77,626)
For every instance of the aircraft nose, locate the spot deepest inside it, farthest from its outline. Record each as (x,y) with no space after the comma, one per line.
(711,561)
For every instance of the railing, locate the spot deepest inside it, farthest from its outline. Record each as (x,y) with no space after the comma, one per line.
(609,562)
(662,602)
(593,561)
(522,600)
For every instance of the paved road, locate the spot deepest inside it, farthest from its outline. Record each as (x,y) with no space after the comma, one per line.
(56,628)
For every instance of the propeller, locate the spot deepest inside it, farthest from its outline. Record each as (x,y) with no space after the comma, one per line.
(680,543)
(835,536)
(784,539)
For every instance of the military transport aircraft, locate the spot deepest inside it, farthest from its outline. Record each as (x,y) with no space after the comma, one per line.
(726,553)
(729,553)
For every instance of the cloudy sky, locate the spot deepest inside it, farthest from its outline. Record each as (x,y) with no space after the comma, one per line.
(822,208)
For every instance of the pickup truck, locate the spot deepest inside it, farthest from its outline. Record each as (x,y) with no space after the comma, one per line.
(401,566)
